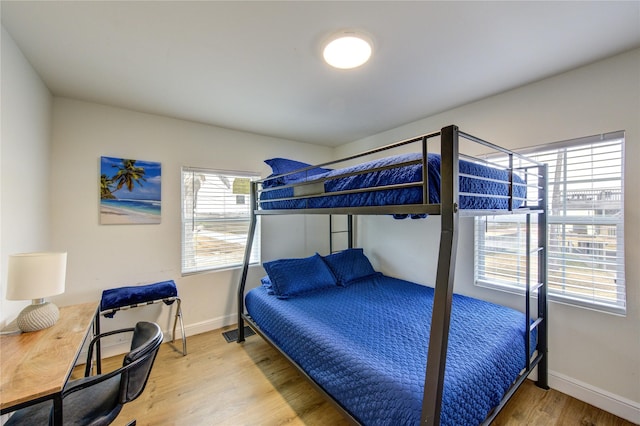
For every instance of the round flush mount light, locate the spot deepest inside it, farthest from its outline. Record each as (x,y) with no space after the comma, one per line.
(347,50)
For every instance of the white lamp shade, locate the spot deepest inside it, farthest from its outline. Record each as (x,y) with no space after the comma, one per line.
(36,275)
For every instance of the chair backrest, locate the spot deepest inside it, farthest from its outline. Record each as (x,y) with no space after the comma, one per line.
(147,337)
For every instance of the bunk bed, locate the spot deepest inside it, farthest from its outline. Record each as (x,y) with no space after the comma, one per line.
(300,301)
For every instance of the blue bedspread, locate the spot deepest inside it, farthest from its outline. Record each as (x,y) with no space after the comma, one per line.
(405,174)
(366,345)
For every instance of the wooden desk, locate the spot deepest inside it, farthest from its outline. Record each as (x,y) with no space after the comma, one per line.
(36,366)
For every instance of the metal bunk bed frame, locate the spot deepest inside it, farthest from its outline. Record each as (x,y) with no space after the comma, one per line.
(449,212)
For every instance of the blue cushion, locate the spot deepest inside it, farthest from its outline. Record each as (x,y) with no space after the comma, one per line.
(127,296)
(349,266)
(284,165)
(291,277)
(266,283)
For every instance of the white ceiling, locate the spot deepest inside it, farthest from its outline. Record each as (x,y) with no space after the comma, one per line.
(255,66)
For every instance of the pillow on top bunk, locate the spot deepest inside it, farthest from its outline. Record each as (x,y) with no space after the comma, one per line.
(349,265)
(284,165)
(291,277)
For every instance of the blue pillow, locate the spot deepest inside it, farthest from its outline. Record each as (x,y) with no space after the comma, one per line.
(349,266)
(291,277)
(266,283)
(284,165)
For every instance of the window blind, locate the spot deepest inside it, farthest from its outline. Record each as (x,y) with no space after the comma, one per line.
(585,224)
(215,219)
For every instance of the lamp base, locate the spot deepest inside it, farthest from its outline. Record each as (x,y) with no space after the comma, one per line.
(38,316)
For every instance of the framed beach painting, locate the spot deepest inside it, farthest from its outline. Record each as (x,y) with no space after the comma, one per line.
(129,191)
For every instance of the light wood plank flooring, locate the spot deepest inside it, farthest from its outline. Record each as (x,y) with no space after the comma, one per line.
(220,383)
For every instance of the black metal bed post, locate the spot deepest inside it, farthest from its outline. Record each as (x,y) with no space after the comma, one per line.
(527,294)
(510,189)
(247,258)
(543,365)
(439,337)
(425,171)
(348,231)
(330,234)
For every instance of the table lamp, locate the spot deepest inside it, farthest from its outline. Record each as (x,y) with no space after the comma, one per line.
(36,276)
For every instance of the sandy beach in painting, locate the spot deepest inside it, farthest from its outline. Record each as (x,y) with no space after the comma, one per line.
(110,215)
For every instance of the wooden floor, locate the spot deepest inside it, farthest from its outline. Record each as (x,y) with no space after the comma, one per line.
(220,383)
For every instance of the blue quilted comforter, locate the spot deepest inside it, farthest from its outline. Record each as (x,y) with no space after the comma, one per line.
(366,345)
(473,191)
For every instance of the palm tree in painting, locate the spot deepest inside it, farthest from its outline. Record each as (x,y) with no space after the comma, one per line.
(128,175)
(105,187)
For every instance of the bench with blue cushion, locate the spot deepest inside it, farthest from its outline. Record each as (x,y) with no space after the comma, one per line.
(121,298)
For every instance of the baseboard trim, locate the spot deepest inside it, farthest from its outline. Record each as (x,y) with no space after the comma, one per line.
(614,404)
(205,326)
(120,348)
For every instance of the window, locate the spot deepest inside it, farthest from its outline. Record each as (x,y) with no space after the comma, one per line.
(585,258)
(215,219)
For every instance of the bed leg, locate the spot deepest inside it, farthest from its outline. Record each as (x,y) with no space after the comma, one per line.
(542,381)
(240,329)
(247,258)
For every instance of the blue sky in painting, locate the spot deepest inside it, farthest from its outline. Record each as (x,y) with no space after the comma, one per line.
(149,190)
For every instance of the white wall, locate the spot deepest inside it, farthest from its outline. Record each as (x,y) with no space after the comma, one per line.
(107,256)
(593,356)
(24,165)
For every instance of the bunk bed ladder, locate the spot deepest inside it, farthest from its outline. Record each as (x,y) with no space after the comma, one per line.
(333,233)
(530,326)
(539,324)
(543,324)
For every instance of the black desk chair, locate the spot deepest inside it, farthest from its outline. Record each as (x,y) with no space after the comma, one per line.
(97,400)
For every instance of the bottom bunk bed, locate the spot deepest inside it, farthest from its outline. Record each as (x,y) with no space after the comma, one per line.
(361,337)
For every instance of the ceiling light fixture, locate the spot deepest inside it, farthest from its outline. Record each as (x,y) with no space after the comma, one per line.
(347,50)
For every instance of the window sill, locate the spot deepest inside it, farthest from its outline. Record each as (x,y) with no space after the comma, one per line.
(556,298)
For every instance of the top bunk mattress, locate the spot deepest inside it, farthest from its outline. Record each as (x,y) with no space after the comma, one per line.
(481,187)
(366,345)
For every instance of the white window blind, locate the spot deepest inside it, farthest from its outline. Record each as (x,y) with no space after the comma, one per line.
(215,219)
(585,264)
